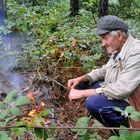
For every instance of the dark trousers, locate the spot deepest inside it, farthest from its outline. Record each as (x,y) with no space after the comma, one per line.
(102,108)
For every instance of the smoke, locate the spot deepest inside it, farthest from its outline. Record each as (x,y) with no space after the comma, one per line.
(9,54)
(8,57)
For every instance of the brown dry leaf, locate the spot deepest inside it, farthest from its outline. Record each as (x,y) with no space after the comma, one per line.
(50,42)
(75,42)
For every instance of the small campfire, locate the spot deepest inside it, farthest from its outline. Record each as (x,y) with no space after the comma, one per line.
(38,106)
(36,111)
(48,105)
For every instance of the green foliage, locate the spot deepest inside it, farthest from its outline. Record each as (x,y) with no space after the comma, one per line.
(134,136)
(129,112)
(11,96)
(22,100)
(41,133)
(85,134)
(133,114)
(9,107)
(4,136)
(90,5)
(125,9)
(15,111)
(1,105)
(19,131)
(82,122)
(10,110)
(130,136)
(60,38)
(4,114)
(54,31)
(90,61)
(43,113)
(134,27)
(35,20)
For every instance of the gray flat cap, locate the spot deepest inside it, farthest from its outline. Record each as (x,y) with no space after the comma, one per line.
(110,23)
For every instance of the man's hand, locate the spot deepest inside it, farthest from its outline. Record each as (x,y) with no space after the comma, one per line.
(77,94)
(73,82)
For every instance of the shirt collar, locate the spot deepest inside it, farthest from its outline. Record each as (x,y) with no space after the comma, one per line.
(115,56)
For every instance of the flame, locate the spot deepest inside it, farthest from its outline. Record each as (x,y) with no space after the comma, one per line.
(30,95)
(38,108)
(42,104)
(32,113)
(36,111)
(29,120)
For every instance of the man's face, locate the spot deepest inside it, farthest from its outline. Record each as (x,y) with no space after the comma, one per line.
(111,43)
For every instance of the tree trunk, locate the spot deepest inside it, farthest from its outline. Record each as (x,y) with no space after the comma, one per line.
(2,11)
(103,8)
(74,7)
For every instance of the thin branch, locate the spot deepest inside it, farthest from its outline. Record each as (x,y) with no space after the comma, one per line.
(107,128)
(60,84)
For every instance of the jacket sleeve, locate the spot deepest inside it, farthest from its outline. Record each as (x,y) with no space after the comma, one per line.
(128,80)
(97,74)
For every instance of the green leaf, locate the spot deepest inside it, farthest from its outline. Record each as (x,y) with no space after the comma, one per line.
(11,96)
(135,116)
(22,100)
(1,105)
(135,135)
(123,137)
(82,122)
(52,132)
(38,121)
(15,111)
(4,136)
(123,131)
(113,138)
(4,113)
(43,113)
(41,133)
(2,124)
(19,131)
(114,2)
(84,137)
(130,109)
(21,123)
(95,136)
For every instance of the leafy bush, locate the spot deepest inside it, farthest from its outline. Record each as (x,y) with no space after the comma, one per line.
(125,9)
(54,32)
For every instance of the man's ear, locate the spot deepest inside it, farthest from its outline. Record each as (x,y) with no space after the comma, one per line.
(120,35)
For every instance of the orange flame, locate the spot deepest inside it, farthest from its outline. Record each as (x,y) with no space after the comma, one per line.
(30,95)
(32,113)
(36,111)
(42,104)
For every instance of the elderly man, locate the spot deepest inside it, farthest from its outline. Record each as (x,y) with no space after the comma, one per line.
(111,85)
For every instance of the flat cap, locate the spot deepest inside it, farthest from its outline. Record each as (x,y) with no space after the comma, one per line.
(110,23)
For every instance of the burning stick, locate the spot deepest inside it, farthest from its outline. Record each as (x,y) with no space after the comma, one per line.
(30,95)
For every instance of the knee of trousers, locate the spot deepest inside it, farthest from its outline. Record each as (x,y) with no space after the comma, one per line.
(91,104)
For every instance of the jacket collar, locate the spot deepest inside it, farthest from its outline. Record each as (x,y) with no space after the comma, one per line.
(125,47)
